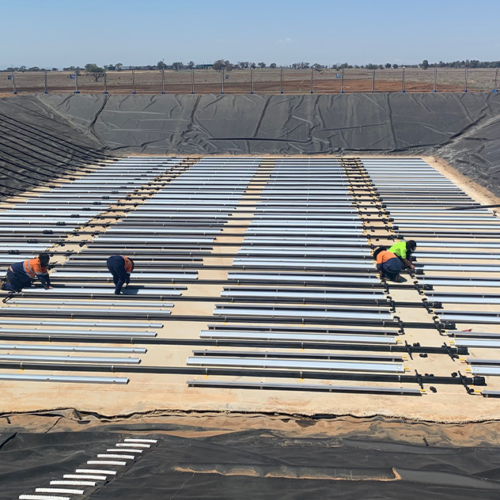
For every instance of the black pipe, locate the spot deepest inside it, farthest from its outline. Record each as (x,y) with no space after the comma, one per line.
(171,370)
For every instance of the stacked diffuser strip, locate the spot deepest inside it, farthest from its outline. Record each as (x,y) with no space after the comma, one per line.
(304,259)
(30,226)
(80,314)
(458,252)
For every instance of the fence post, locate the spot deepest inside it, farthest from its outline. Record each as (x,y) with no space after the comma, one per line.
(251,80)
(192,81)
(162,80)
(312,81)
(496,81)
(435,78)
(466,79)
(133,82)
(14,89)
(342,82)
(282,82)
(76,91)
(45,81)
(373,82)
(404,80)
(105,83)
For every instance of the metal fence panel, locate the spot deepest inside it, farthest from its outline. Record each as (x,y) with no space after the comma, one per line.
(6,82)
(258,81)
(482,80)
(267,81)
(327,81)
(452,80)
(120,82)
(207,81)
(30,81)
(150,82)
(61,81)
(238,81)
(357,80)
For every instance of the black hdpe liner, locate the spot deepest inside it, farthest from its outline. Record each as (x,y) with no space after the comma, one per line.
(461,128)
(252,464)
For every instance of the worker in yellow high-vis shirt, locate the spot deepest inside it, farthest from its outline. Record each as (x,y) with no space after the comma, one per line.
(404,250)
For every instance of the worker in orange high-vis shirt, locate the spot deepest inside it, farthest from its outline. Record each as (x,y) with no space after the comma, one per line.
(388,264)
(120,267)
(23,274)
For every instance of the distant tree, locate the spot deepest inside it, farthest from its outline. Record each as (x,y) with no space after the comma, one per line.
(317,67)
(244,64)
(89,68)
(253,65)
(262,65)
(177,66)
(425,64)
(388,65)
(55,69)
(96,71)
(34,68)
(110,67)
(119,66)
(371,66)
(161,65)
(190,64)
(219,65)
(395,66)
(272,65)
(22,68)
(380,66)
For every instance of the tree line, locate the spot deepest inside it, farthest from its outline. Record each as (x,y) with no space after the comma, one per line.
(226,65)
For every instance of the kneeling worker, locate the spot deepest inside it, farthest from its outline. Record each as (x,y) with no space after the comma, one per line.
(388,264)
(23,274)
(120,267)
(404,250)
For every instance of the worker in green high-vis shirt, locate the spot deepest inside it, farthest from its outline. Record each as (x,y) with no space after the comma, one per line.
(403,250)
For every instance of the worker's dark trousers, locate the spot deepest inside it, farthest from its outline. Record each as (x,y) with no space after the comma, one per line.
(14,283)
(404,265)
(116,266)
(392,268)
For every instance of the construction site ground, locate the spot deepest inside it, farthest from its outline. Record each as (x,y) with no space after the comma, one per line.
(147,393)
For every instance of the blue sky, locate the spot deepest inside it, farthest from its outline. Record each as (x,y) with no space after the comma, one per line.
(57,33)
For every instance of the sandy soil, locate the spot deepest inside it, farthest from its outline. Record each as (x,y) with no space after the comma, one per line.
(196,425)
